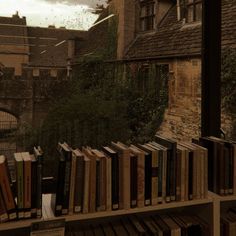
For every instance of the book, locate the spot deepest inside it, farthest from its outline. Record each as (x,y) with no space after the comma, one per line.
(27,184)
(171,146)
(79,181)
(162,172)
(148,175)
(38,153)
(19,166)
(154,172)
(57,198)
(72,182)
(67,153)
(103,176)
(114,175)
(34,183)
(93,180)
(140,175)
(3,210)
(124,174)
(87,182)
(6,190)
(133,179)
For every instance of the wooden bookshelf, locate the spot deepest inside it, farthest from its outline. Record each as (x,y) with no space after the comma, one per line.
(48,213)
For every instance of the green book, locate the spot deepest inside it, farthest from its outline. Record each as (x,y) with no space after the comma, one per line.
(20,184)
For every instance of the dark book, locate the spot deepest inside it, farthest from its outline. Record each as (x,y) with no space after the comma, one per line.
(129,227)
(151,226)
(163,226)
(38,153)
(67,153)
(118,228)
(171,145)
(57,198)
(148,174)
(34,182)
(6,190)
(162,172)
(79,180)
(107,229)
(27,184)
(115,175)
(213,168)
(136,224)
(3,210)
(97,230)
(133,179)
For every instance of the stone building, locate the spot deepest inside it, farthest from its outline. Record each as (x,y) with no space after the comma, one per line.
(36,49)
(168,32)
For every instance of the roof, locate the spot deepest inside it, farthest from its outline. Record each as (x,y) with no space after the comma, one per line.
(175,38)
(49,46)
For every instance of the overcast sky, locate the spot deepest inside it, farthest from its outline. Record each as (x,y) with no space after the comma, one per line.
(75,14)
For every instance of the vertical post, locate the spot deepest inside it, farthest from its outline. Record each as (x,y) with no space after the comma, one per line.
(211,68)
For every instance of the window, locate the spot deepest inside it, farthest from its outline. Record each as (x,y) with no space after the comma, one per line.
(147,15)
(191,10)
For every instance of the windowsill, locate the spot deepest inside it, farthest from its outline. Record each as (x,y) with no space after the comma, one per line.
(187,25)
(146,32)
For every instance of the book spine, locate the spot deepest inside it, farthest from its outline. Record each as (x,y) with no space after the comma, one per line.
(115,183)
(72,184)
(7,192)
(231,170)
(148,179)
(103,186)
(126,180)
(190,174)
(20,188)
(66,188)
(108,184)
(173,173)
(57,198)
(183,176)
(3,210)
(133,181)
(87,182)
(160,176)
(79,186)
(164,173)
(227,170)
(178,176)
(98,185)
(39,186)
(168,176)
(92,186)
(154,195)
(141,181)
(27,188)
(34,189)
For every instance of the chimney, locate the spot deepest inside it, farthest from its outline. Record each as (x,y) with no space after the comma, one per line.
(71,48)
(125,11)
(51,27)
(16,15)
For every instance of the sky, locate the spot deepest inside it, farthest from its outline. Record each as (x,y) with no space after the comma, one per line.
(73,14)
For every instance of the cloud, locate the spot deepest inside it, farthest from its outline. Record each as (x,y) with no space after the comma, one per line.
(91,3)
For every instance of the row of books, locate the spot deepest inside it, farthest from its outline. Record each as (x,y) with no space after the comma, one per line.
(228,223)
(122,177)
(222,164)
(26,201)
(166,225)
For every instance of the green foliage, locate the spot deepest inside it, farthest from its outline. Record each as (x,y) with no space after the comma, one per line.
(229,84)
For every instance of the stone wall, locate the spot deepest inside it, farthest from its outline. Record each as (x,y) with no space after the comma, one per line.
(182,119)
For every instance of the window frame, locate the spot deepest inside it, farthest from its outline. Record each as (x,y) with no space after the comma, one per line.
(185,8)
(147,22)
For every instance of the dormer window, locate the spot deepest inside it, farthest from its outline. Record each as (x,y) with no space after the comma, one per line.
(147,15)
(191,10)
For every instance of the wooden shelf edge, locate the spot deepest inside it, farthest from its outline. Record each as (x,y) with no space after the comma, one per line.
(89,216)
(222,198)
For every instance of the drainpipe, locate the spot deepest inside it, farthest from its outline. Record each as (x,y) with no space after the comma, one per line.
(178,10)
